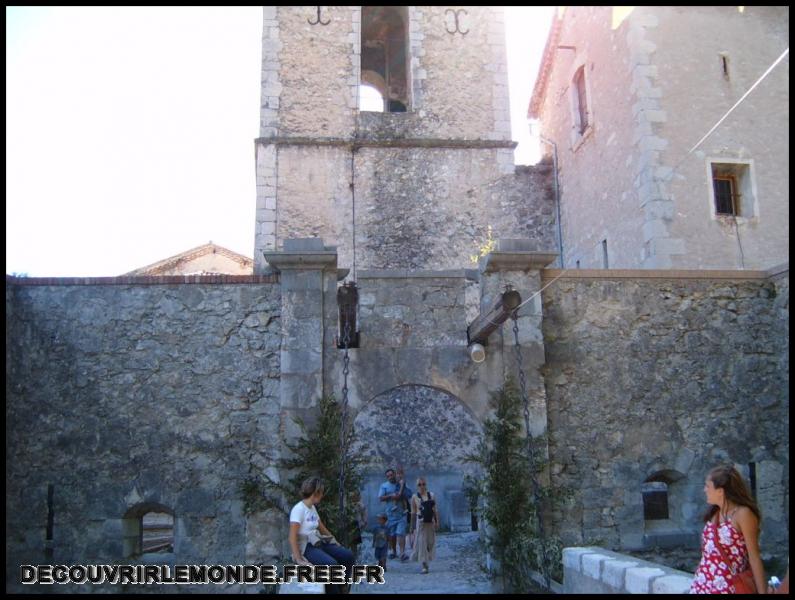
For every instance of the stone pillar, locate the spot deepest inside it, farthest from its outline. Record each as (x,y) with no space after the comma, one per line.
(515,263)
(308,271)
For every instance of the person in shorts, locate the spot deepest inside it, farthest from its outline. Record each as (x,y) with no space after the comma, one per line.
(391,492)
(381,540)
(406,492)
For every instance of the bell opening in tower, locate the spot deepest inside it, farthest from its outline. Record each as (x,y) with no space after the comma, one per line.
(384,59)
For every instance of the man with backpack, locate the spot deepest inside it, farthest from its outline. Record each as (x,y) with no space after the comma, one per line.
(425,521)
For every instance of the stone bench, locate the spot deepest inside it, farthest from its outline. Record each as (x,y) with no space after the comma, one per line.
(597,571)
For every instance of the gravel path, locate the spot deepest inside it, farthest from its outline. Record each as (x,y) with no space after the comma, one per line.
(458,569)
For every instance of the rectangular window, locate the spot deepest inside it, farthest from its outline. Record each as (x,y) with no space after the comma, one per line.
(655,506)
(655,500)
(604,254)
(582,103)
(725,195)
(732,189)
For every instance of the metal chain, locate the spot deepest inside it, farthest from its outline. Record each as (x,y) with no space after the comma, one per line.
(530,454)
(346,340)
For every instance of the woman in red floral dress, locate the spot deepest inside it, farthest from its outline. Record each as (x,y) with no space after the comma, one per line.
(730,541)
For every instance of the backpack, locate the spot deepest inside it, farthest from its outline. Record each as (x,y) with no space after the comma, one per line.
(426,508)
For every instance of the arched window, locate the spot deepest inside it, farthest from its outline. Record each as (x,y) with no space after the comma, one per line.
(384,58)
(668,517)
(148,527)
(655,500)
(158,532)
(662,499)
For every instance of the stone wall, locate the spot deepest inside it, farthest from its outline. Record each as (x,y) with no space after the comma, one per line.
(431,208)
(662,375)
(460,81)
(132,397)
(414,207)
(318,86)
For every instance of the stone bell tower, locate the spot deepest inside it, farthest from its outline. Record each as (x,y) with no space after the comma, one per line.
(414,186)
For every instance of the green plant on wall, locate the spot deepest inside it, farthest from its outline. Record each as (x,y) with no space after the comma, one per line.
(506,489)
(315,453)
(483,249)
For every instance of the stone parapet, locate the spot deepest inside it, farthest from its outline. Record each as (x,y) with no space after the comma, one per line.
(409,274)
(593,570)
(635,274)
(383,139)
(143,280)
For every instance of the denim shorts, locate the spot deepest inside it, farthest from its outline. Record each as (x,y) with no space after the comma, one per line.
(397,527)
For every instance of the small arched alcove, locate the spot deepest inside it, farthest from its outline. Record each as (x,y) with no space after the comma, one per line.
(429,432)
(148,527)
(663,497)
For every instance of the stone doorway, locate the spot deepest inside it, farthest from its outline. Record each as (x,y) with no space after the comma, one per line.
(429,432)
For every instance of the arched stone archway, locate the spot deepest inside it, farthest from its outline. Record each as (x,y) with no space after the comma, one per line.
(429,432)
(153,516)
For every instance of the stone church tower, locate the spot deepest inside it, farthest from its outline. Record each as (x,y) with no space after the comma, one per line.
(415,186)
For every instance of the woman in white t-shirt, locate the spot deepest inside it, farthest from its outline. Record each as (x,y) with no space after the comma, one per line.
(310,541)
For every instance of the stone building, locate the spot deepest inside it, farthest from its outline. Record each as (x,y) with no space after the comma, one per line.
(135,396)
(207,259)
(624,95)
(412,189)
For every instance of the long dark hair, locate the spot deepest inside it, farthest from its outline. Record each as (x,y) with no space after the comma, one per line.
(727,478)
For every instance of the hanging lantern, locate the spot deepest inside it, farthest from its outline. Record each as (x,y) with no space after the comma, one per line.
(347,302)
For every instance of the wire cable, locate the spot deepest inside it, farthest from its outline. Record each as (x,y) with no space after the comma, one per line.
(739,243)
(353,208)
(723,118)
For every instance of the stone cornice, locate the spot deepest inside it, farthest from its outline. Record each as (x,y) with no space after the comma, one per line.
(516,261)
(409,274)
(654,274)
(144,280)
(355,143)
(318,260)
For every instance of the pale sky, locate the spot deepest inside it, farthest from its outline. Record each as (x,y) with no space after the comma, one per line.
(130,131)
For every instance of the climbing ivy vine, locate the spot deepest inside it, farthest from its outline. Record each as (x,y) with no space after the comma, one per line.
(506,490)
(316,453)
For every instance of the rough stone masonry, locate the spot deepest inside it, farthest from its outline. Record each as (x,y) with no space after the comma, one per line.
(128,395)
(132,396)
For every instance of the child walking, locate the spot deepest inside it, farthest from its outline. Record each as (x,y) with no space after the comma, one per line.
(381,540)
